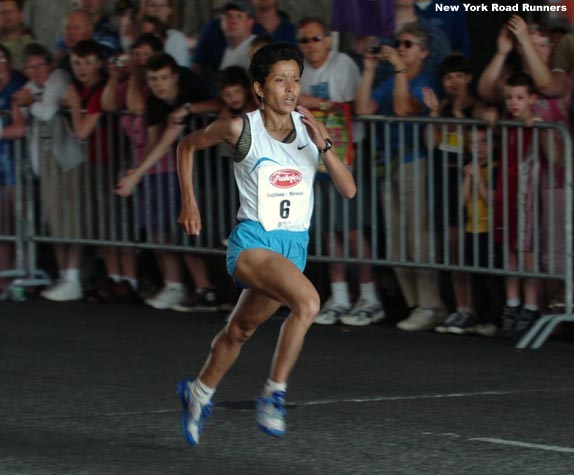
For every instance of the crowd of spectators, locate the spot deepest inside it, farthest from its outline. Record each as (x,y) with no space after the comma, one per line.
(135,61)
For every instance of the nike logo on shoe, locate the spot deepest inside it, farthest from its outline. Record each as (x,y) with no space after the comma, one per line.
(301,147)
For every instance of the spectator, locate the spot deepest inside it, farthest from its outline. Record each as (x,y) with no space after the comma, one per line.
(534,48)
(126,89)
(81,193)
(328,84)
(402,96)
(176,43)
(273,22)
(512,199)
(173,90)
(478,297)
(78,27)
(235,91)
(13,33)
(459,102)
(237,26)
(104,33)
(553,104)
(42,95)
(12,127)
(452,22)
(212,43)
(439,43)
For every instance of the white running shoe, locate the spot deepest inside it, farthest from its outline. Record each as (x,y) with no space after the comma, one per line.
(166,297)
(421,320)
(270,414)
(330,313)
(194,413)
(63,291)
(363,313)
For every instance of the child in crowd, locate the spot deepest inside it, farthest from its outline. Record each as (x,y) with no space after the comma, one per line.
(96,199)
(235,91)
(478,297)
(459,102)
(514,202)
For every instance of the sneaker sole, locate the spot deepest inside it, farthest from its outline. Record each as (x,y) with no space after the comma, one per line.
(460,331)
(272,432)
(317,322)
(182,390)
(356,323)
(157,306)
(183,309)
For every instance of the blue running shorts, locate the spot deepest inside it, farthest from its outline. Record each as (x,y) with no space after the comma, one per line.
(251,235)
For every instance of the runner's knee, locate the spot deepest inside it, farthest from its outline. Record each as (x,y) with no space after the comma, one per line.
(238,334)
(308,307)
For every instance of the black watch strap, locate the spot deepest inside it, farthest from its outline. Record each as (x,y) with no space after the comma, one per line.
(328,146)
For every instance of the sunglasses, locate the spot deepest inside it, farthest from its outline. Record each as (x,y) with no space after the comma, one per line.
(315,39)
(408,44)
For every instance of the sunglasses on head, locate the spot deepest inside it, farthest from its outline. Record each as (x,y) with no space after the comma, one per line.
(406,43)
(308,39)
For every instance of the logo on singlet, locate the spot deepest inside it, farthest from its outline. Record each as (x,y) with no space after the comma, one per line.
(301,147)
(286,178)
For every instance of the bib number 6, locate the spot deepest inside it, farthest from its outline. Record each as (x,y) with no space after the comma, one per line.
(284,209)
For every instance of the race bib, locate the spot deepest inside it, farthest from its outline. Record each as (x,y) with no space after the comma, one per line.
(284,197)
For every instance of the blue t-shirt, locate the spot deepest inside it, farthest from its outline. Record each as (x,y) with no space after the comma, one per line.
(383,96)
(7,146)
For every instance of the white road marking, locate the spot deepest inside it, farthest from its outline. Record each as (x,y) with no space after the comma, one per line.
(516,443)
(373,399)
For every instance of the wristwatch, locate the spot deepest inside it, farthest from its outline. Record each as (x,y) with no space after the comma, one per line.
(328,146)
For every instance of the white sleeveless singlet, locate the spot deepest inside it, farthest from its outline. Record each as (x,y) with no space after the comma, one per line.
(275,179)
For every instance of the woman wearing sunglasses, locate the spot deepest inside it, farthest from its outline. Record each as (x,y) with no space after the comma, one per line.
(401,95)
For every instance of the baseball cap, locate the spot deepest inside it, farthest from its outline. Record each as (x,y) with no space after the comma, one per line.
(241,5)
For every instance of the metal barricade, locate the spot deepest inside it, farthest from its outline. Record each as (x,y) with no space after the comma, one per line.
(408,212)
(16,222)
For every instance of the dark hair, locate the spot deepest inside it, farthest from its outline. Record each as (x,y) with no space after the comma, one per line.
(455,63)
(559,29)
(261,40)
(6,52)
(522,79)
(308,20)
(160,27)
(149,39)
(265,57)
(36,49)
(233,76)
(86,48)
(162,60)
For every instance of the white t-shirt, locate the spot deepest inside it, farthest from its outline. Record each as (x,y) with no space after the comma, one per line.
(337,80)
(275,179)
(44,109)
(176,46)
(238,56)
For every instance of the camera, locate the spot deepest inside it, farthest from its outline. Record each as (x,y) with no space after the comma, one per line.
(374,49)
(119,61)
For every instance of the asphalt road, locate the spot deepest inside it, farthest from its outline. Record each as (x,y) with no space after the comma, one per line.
(91,389)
